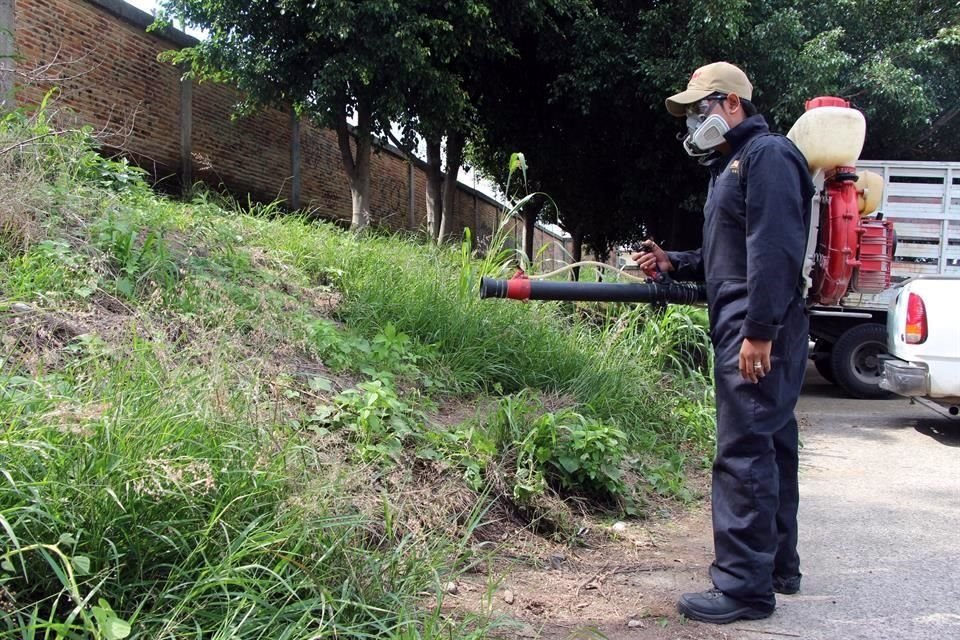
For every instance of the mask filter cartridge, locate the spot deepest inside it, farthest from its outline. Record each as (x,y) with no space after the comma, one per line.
(704,136)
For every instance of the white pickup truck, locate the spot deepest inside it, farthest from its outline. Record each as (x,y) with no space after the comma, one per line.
(923,340)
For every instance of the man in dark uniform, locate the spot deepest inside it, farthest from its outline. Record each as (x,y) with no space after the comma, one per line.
(754,238)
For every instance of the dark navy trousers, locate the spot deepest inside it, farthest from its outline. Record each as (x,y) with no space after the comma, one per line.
(755,492)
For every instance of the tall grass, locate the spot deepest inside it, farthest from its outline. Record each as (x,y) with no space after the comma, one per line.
(632,365)
(164,408)
(185,523)
(150,485)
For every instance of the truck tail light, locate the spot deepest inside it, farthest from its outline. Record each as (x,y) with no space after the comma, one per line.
(916,329)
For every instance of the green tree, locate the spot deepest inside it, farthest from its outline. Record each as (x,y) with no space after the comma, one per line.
(331,60)
(419,63)
(517,112)
(464,37)
(476,39)
(586,105)
(894,60)
(438,105)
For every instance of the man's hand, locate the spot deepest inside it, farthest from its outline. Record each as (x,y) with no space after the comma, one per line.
(754,352)
(653,255)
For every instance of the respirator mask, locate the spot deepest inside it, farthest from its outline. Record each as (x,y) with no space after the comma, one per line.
(704,132)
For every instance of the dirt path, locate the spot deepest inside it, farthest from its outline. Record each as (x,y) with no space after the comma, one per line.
(880,515)
(625,585)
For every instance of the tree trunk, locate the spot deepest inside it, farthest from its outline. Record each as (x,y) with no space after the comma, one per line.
(602,255)
(434,187)
(576,251)
(357,167)
(455,143)
(529,225)
(360,198)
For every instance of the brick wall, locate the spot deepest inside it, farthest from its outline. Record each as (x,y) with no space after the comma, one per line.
(250,154)
(105,68)
(107,74)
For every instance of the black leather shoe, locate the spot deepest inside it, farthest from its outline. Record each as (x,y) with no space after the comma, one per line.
(788,585)
(713,606)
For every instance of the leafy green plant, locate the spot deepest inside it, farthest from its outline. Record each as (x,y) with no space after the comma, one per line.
(467,447)
(579,453)
(136,261)
(667,478)
(48,268)
(69,570)
(389,352)
(116,175)
(378,419)
(339,349)
(392,350)
(570,451)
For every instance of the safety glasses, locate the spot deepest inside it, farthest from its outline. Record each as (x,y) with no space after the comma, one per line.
(703,107)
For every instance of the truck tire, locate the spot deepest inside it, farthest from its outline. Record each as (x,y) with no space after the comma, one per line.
(822,362)
(855,360)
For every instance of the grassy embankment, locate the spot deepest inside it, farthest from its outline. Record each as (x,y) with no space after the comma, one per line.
(221,423)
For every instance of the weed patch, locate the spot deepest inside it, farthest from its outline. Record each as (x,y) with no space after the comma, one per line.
(221,422)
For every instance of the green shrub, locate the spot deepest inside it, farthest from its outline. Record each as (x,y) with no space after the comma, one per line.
(579,453)
(573,453)
(136,262)
(50,268)
(377,418)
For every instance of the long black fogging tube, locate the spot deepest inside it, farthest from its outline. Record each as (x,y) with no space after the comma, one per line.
(525,289)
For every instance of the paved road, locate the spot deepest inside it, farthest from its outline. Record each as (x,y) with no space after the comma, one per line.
(880,523)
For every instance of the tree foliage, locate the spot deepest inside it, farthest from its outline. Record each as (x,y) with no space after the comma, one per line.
(418,63)
(578,86)
(587,105)
(330,60)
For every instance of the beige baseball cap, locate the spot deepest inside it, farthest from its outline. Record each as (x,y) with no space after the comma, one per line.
(717,77)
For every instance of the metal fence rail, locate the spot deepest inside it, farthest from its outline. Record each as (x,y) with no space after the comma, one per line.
(923,200)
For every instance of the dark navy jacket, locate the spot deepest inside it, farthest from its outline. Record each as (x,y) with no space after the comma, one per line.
(755,229)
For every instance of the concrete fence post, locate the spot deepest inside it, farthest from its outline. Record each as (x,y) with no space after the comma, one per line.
(411,196)
(186,135)
(296,175)
(476,216)
(8,49)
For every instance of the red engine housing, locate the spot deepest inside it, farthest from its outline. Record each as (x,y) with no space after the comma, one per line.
(839,240)
(853,253)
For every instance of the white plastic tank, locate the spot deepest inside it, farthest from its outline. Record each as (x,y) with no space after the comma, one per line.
(829,133)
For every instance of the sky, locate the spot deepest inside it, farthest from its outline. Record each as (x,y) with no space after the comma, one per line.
(147,5)
(151,7)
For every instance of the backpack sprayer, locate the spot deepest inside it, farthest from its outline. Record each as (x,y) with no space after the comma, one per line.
(846,251)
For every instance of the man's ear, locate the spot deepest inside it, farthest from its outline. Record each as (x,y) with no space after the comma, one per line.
(733,102)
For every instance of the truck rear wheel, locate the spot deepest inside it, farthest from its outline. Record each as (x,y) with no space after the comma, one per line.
(855,360)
